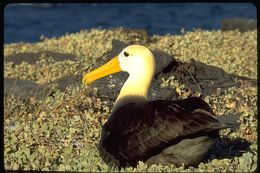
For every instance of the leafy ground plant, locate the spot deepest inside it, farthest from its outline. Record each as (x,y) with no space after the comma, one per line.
(58,128)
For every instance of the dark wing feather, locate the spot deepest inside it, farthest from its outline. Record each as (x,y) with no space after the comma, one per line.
(138,131)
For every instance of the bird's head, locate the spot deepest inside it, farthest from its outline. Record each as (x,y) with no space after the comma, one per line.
(134,59)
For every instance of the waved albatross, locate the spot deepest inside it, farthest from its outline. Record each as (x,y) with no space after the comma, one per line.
(161,131)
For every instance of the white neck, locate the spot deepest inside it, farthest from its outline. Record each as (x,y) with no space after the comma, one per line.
(135,89)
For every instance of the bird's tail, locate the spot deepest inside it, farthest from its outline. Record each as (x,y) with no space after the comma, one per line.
(229,121)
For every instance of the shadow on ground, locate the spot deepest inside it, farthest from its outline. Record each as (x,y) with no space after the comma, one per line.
(226,148)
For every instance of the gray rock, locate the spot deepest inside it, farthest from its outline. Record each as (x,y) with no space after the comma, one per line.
(238,23)
(162,59)
(31,58)
(65,81)
(110,86)
(200,77)
(24,89)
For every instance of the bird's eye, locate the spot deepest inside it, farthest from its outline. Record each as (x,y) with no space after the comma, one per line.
(126,54)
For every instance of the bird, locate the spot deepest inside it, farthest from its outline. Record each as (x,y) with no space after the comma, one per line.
(179,132)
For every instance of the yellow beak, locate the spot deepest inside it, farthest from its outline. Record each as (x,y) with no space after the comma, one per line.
(110,67)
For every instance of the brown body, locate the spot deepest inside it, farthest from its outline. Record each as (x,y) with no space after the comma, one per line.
(180,131)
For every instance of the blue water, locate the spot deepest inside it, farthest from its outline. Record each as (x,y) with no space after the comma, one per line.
(26,23)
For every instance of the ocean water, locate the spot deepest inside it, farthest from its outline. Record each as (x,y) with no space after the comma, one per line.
(27,22)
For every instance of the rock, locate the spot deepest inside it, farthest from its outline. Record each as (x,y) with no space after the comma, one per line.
(109,87)
(65,81)
(117,47)
(198,76)
(238,23)
(162,59)
(31,58)
(139,36)
(24,89)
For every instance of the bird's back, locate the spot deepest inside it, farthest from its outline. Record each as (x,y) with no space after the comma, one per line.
(143,132)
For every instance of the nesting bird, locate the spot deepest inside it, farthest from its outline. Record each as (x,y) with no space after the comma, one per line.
(161,131)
